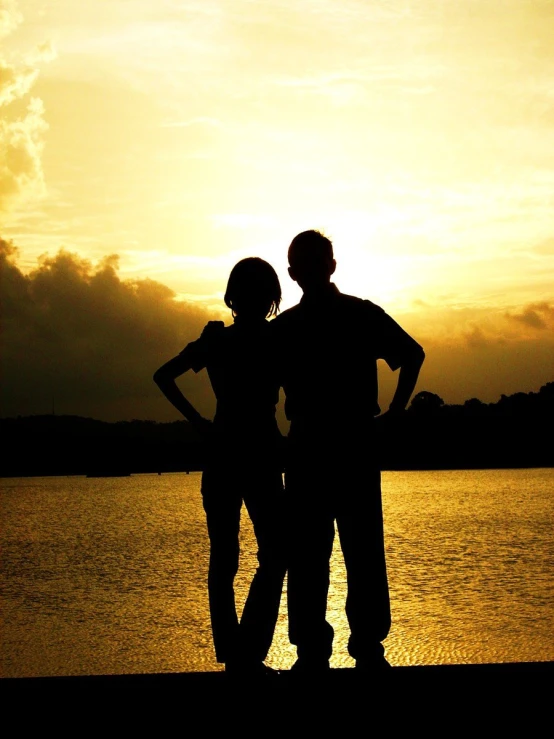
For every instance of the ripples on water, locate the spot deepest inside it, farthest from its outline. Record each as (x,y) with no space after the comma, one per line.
(108,575)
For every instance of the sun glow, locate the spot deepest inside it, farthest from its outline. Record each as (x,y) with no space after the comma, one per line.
(186,138)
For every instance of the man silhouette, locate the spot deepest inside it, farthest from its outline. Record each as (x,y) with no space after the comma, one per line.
(328,346)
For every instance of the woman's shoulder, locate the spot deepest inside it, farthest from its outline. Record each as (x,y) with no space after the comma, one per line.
(212,329)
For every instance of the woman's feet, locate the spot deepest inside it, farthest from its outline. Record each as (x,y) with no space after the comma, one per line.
(249,668)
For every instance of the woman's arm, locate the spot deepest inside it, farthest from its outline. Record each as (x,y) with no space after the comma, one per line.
(165,377)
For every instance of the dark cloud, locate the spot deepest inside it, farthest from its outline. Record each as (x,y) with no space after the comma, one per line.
(487,369)
(539,316)
(77,336)
(476,338)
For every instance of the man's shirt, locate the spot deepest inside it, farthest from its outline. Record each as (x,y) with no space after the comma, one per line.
(327,349)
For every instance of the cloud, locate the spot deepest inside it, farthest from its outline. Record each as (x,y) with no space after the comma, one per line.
(21,146)
(486,369)
(545,247)
(77,336)
(539,316)
(15,83)
(21,136)
(198,121)
(478,351)
(10,17)
(476,338)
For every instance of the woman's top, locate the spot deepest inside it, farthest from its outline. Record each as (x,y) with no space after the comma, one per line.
(240,363)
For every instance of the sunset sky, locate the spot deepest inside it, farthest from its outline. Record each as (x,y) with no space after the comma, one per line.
(185,135)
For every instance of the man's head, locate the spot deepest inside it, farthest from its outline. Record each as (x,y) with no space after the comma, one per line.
(311,261)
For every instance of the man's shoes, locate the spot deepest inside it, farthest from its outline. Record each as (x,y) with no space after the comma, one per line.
(372,664)
(310,666)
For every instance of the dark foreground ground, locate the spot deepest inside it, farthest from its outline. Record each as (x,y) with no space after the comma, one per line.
(442,699)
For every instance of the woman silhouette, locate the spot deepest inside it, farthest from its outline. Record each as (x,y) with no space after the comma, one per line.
(243,463)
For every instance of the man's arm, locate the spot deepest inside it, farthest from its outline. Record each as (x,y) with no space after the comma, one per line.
(401,352)
(407,380)
(165,377)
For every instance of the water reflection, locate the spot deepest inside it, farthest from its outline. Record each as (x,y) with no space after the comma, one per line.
(103,576)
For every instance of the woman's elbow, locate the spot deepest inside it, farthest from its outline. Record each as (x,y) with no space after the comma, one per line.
(158,377)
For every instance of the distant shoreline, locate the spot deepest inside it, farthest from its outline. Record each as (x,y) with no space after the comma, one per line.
(510,434)
(198,471)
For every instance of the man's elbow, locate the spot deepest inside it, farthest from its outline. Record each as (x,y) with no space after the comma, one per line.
(416,358)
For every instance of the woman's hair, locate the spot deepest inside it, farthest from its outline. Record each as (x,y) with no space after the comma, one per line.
(253,283)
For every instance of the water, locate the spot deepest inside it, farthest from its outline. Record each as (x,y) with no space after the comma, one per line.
(107,575)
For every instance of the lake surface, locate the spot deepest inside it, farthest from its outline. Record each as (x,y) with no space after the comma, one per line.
(108,575)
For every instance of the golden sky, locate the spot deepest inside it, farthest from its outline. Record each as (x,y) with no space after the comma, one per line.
(183,135)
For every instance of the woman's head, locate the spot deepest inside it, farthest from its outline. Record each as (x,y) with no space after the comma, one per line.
(253,289)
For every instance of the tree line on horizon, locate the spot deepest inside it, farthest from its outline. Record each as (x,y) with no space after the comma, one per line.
(513,432)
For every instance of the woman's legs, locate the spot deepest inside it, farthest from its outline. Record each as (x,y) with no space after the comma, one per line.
(264,503)
(222,507)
